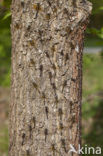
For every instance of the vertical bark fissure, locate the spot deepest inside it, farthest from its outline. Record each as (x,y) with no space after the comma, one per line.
(47,44)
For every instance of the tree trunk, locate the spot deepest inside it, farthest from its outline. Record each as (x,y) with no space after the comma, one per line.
(47,44)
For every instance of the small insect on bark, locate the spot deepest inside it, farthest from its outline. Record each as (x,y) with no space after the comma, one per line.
(54,86)
(48,1)
(38,8)
(50,76)
(64,145)
(53,149)
(47,55)
(72,79)
(61,127)
(30,130)
(64,84)
(41,70)
(46,111)
(47,16)
(28,152)
(66,58)
(74,3)
(22,3)
(23,137)
(46,133)
(60,113)
(34,121)
(65,11)
(43,95)
(62,54)
(36,86)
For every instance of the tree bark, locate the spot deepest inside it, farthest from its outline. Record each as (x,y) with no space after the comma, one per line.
(46,89)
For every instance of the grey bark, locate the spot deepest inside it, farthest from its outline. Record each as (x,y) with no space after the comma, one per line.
(46,89)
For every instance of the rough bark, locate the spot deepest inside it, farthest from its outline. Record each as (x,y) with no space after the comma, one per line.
(47,44)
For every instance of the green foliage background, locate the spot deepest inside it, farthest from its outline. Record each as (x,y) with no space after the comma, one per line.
(5,44)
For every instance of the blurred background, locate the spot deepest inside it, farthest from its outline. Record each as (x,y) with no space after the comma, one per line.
(92,105)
